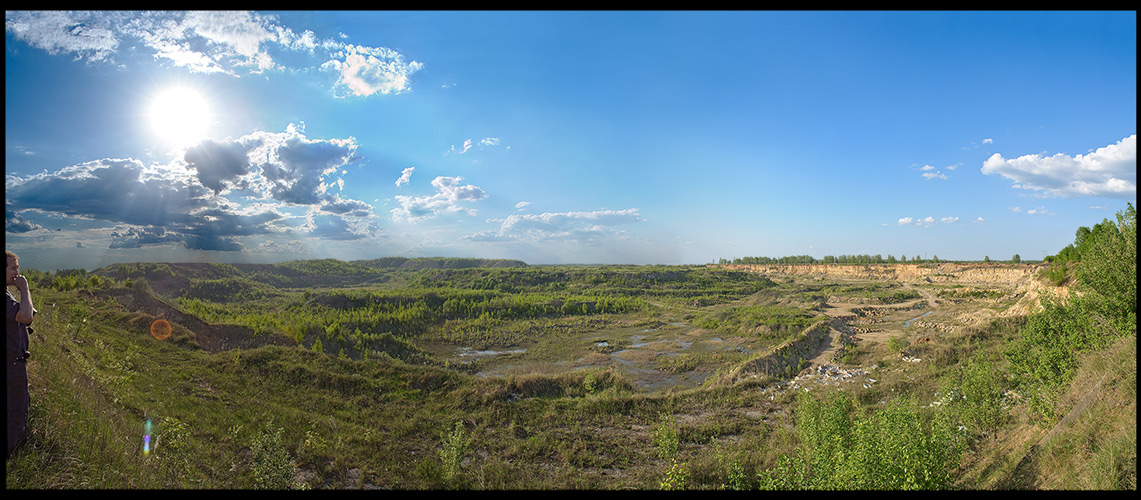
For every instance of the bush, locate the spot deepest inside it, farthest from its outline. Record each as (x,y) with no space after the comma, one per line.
(272,466)
(899,447)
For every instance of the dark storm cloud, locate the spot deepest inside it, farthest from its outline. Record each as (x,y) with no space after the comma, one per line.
(184,202)
(14,223)
(158,206)
(335,205)
(110,190)
(219,165)
(137,237)
(297,167)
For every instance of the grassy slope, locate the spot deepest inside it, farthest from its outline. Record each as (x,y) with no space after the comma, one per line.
(239,419)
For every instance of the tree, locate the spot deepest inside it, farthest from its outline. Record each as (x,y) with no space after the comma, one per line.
(1108,271)
(1016,259)
(986,259)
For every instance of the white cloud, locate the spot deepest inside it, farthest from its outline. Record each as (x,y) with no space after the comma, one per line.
(490,141)
(372,70)
(988,140)
(185,201)
(588,227)
(230,42)
(449,193)
(86,34)
(926,221)
(521,205)
(980,220)
(1110,171)
(935,175)
(405,176)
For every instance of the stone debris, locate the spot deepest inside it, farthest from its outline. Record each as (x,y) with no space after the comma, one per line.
(823,375)
(910,359)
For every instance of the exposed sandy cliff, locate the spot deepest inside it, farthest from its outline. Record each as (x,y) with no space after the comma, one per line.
(978,274)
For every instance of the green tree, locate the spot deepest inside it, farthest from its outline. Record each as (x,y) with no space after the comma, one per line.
(1016,259)
(1107,274)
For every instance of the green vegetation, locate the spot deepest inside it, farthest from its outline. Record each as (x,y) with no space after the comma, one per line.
(593,377)
(1046,355)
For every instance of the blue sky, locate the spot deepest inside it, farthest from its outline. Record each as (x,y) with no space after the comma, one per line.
(563,137)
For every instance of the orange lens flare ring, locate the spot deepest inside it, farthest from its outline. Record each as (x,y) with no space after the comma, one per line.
(160,329)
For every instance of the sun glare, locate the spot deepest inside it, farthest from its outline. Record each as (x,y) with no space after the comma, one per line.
(179,116)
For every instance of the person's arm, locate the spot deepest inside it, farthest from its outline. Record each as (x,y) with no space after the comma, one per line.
(26,313)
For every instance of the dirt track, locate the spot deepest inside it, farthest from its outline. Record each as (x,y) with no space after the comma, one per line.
(844,313)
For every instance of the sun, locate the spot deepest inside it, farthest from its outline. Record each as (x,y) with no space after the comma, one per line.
(179,116)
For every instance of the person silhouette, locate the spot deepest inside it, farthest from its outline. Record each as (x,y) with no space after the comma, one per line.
(19,318)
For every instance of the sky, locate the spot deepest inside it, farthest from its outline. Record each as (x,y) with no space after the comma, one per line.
(563,137)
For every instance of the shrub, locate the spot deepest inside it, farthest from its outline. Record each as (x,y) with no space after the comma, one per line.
(272,466)
(452,452)
(898,447)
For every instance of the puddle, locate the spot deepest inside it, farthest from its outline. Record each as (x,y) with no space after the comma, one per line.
(908,322)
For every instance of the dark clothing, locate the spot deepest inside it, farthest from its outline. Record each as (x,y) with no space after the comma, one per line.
(15,358)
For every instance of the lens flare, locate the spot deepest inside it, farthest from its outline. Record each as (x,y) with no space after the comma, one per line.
(147,439)
(160,329)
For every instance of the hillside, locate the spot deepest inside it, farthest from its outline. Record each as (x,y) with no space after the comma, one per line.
(374,374)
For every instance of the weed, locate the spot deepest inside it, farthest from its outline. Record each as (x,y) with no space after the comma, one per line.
(452,452)
(272,465)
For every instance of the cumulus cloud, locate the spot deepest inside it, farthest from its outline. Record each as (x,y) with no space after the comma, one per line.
(365,71)
(338,228)
(354,208)
(1109,171)
(296,168)
(931,172)
(228,42)
(218,165)
(926,221)
(183,202)
(589,227)
(449,193)
(405,176)
(137,237)
(14,223)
